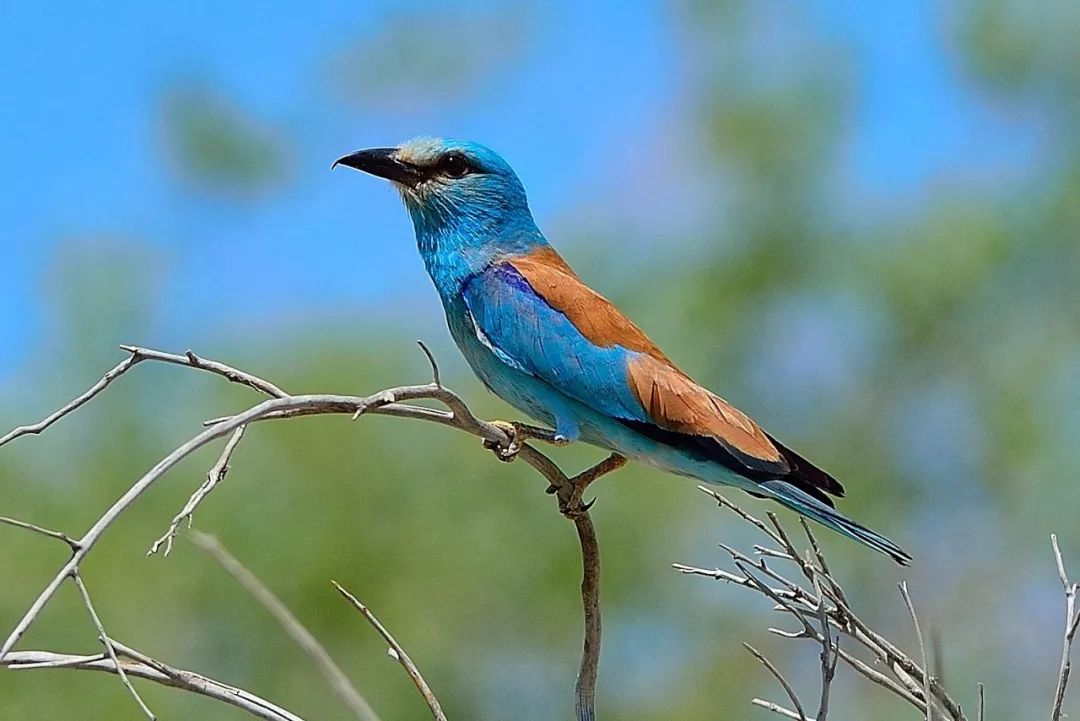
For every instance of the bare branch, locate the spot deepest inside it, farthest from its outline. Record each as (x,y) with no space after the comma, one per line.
(821,608)
(982,702)
(922,650)
(792,696)
(435,376)
(104,638)
(157,672)
(392,402)
(834,585)
(828,656)
(213,477)
(1072,620)
(43,531)
(309,403)
(191,360)
(725,503)
(120,369)
(337,679)
(880,679)
(776,709)
(398,653)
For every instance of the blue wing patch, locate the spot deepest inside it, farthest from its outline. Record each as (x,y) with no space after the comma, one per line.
(527,334)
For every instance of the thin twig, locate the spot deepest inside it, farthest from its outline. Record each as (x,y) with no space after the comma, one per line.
(43,531)
(104,637)
(177,678)
(213,477)
(308,403)
(776,709)
(792,696)
(813,605)
(1072,620)
(393,402)
(337,679)
(834,585)
(828,656)
(725,503)
(34,428)
(398,654)
(982,702)
(191,360)
(880,679)
(435,376)
(922,650)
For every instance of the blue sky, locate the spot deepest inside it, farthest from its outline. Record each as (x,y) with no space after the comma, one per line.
(592,86)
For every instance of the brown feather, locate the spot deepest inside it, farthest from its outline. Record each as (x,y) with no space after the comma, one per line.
(673,400)
(592,314)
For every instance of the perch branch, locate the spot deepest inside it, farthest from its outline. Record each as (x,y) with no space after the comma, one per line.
(393,402)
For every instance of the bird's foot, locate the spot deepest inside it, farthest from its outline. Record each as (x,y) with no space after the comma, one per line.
(508,452)
(518,434)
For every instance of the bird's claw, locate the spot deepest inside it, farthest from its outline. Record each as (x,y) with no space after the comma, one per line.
(506,453)
(574,506)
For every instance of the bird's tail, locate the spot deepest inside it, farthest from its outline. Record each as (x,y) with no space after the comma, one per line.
(814,509)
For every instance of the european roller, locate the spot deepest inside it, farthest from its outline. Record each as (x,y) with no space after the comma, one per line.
(557,350)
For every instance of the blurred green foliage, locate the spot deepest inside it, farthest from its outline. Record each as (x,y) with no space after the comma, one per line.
(929,357)
(431,57)
(216,147)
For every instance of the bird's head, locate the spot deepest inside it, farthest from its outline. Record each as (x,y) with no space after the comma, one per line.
(464,199)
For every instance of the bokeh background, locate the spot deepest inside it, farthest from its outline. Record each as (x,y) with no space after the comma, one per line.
(860,225)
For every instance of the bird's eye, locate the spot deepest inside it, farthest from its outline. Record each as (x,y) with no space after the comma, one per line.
(455,165)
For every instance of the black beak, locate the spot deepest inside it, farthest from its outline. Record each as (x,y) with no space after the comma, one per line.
(382,162)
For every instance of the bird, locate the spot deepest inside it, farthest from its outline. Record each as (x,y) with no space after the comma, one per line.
(545,342)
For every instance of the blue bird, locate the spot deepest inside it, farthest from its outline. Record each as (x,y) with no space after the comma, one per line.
(549,345)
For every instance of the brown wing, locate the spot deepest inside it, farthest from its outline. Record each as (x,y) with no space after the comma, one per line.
(591,313)
(675,402)
(683,412)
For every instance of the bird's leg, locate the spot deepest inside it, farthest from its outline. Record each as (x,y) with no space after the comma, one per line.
(570,503)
